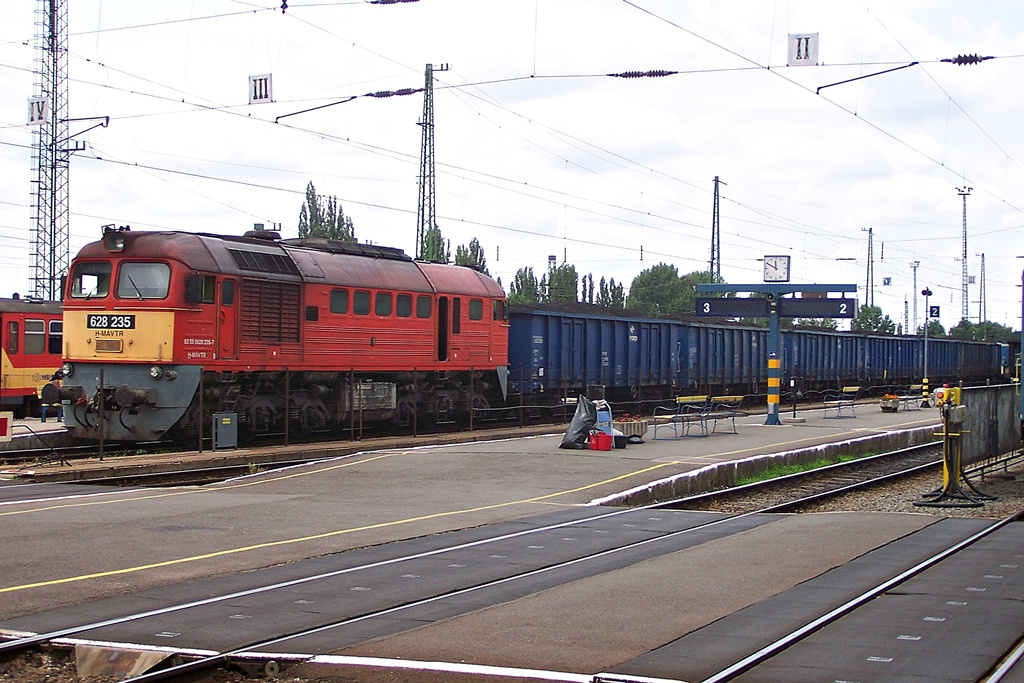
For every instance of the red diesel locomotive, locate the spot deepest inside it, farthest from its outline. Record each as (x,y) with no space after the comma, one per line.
(319,332)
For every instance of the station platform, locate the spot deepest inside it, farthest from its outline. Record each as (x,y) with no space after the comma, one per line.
(366,502)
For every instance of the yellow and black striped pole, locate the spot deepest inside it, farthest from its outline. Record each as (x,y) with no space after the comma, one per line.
(774,380)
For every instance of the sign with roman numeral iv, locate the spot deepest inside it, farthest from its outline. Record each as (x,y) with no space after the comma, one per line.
(261,89)
(803,49)
(38,110)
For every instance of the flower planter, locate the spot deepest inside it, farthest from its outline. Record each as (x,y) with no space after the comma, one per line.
(889,405)
(631,428)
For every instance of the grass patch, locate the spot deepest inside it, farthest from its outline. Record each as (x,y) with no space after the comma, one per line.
(776,471)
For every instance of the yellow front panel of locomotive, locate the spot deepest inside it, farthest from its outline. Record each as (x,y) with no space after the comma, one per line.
(119,335)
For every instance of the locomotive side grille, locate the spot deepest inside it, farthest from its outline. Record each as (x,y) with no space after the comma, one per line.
(270,312)
(261,262)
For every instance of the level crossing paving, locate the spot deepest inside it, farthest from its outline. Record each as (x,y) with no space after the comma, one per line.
(158,545)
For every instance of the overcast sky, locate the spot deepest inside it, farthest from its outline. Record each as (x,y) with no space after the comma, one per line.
(538,151)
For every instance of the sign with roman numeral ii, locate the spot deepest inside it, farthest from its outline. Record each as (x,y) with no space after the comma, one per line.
(803,49)
(38,110)
(261,89)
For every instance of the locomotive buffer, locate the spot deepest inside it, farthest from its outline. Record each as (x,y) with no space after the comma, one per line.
(771,304)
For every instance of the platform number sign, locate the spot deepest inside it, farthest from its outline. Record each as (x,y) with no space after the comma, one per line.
(933,311)
(38,110)
(803,49)
(261,89)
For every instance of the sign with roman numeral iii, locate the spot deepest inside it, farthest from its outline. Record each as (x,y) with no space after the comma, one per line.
(261,89)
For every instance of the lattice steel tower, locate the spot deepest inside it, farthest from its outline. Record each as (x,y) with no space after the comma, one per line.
(964,192)
(716,237)
(50,158)
(427,206)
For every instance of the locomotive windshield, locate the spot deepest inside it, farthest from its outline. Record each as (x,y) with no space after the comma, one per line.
(90,279)
(143,280)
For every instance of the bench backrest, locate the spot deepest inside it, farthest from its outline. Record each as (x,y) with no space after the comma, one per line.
(727,400)
(691,400)
(851,390)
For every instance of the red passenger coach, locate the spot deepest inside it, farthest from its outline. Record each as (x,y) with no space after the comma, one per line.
(319,332)
(31,334)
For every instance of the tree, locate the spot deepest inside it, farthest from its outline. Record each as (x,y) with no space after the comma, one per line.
(658,290)
(472,256)
(524,288)
(563,283)
(434,247)
(587,290)
(324,217)
(816,323)
(935,330)
(985,331)
(870,319)
(610,294)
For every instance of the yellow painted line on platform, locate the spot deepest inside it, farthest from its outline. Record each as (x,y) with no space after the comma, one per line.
(328,534)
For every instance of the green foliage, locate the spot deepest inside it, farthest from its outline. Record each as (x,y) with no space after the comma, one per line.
(935,330)
(434,248)
(816,323)
(986,331)
(610,294)
(524,288)
(661,291)
(473,256)
(869,319)
(324,217)
(563,283)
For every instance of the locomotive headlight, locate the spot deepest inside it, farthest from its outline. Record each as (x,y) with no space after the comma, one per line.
(156,372)
(67,369)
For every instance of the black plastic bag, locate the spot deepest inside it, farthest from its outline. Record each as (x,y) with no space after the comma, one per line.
(578,434)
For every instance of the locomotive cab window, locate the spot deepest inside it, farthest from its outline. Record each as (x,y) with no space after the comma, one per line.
(476,309)
(12,337)
(35,336)
(500,309)
(55,341)
(90,280)
(151,281)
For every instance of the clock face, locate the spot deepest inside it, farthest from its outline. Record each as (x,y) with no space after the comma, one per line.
(776,269)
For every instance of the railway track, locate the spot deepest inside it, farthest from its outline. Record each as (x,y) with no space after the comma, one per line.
(828,481)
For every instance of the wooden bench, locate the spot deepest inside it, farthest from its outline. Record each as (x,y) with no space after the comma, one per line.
(725,408)
(843,400)
(911,398)
(687,411)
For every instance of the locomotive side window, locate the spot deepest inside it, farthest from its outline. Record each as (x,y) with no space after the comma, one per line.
(150,281)
(382,304)
(476,309)
(90,279)
(35,336)
(12,337)
(500,309)
(403,305)
(361,302)
(55,341)
(209,289)
(456,315)
(227,293)
(339,301)
(312,314)
(423,307)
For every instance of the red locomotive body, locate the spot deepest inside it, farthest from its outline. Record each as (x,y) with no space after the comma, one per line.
(318,332)
(31,334)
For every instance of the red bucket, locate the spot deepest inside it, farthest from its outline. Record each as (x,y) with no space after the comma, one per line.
(600,442)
